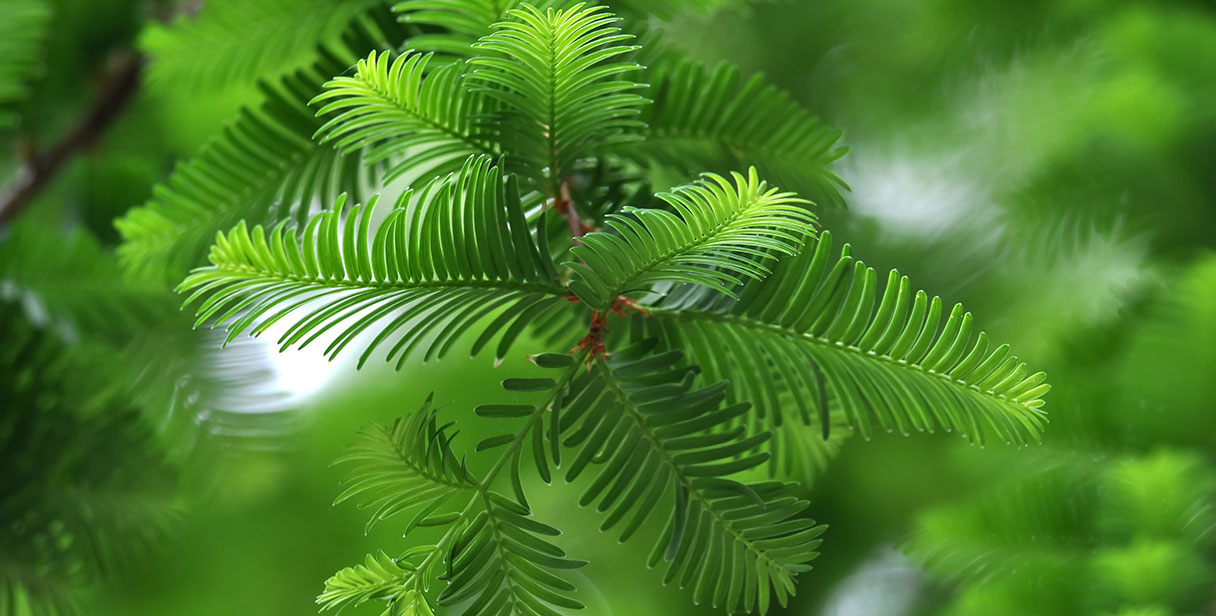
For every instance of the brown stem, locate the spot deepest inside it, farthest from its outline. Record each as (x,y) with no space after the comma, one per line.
(119,85)
(571,214)
(564,205)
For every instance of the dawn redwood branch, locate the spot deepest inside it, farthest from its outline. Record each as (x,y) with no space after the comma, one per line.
(118,87)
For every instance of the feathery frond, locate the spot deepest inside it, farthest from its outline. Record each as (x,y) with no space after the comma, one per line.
(379,578)
(717,236)
(737,286)
(494,551)
(534,428)
(895,365)
(445,260)
(559,75)
(714,119)
(654,436)
(454,25)
(263,167)
(415,121)
(22,27)
(653,443)
(405,465)
(500,561)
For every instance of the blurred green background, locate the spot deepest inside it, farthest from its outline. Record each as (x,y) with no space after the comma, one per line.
(1049,163)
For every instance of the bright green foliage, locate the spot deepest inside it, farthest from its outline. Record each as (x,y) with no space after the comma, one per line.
(729,345)
(559,76)
(263,166)
(547,115)
(379,578)
(657,435)
(387,110)
(22,27)
(501,561)
(730,541)
(879,358)
(406,464)
(715,235)
(492,551)
(445,259)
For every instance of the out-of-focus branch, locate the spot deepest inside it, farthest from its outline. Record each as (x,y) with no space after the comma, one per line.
(119,84)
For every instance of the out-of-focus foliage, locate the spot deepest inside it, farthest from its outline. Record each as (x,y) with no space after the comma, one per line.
(246,41)
(66,516)
(1123,520)
(107,403)
(22,27)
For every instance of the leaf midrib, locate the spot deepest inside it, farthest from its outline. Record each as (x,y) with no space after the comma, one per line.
(611,381)
(408,284)
(732,319)
(683,248)
(416,113)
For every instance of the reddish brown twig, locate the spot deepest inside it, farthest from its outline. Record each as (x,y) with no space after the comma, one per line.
(621,306)
(594,340)
(119,84)
(564,205)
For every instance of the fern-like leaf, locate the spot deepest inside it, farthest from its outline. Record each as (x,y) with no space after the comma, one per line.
(390,111)
(454,25)
(496,556)
(819,329)
(717,236)
(657,436)
(379,578)
(445,260)
(262,167)
(500,561)
(405,465)
(655,443)
(559,76)
(714,119)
